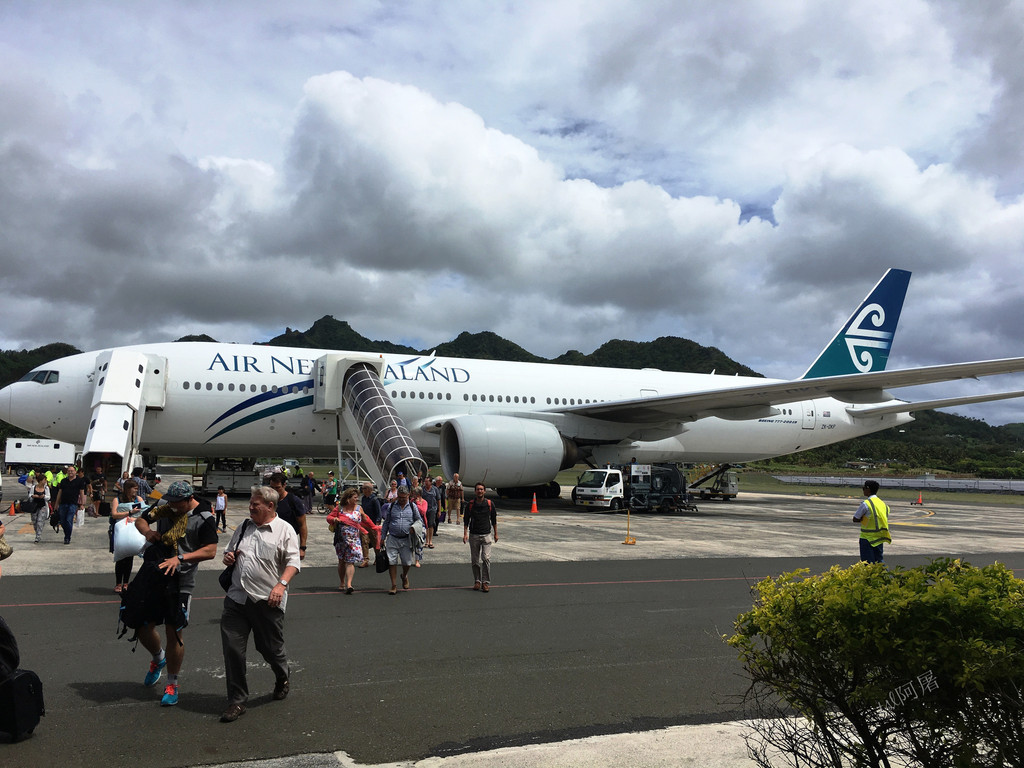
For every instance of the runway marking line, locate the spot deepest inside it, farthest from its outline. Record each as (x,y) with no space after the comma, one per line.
(382,590)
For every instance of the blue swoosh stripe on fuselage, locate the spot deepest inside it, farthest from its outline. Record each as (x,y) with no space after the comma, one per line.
(272,411)
(261,398)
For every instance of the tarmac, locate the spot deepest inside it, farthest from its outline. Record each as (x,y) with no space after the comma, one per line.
(794,525)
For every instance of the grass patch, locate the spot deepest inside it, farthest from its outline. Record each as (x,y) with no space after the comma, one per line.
(762,482)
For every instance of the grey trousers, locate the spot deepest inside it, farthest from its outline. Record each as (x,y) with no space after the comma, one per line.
(266,625)
(480,553)
(40,519)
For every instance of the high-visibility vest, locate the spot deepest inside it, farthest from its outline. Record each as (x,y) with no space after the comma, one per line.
(875,527)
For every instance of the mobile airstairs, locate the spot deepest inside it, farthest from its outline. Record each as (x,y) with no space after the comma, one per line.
(349,385)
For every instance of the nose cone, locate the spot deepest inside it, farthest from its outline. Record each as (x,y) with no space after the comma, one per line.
(5,404)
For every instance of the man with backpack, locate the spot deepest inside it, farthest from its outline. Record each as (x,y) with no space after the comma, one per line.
(480,529)
(182,533)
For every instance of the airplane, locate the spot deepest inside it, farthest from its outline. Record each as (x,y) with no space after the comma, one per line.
(506,424)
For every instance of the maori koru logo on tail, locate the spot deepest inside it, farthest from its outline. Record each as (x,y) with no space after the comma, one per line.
(860,340)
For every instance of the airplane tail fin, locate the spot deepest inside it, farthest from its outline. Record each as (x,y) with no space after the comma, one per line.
(863,343)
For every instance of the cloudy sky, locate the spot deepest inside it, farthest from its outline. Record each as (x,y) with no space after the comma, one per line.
(560,172)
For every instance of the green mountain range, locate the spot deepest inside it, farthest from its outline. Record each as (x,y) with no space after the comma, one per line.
(935,440)
(668,353)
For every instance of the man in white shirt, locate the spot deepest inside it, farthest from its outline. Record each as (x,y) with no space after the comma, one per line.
(265,553)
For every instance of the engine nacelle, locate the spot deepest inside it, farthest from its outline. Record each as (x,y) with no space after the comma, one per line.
(504,451)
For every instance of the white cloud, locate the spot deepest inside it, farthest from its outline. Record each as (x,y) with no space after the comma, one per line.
(560,173)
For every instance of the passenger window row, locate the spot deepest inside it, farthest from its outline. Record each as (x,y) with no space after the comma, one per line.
(230,387)
(499,398)
(523,399)
(395,394)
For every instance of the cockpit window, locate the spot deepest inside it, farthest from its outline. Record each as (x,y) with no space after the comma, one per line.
(42,377)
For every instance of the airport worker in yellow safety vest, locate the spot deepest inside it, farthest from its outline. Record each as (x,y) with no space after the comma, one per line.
(873,516)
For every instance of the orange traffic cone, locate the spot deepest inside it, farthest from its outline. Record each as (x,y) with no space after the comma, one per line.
(12,509)
(533,509)
(920,501)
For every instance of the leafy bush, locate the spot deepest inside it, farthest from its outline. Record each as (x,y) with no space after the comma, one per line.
(871,666)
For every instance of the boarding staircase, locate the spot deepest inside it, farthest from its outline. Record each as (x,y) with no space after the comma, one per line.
(126,383)
(350,386)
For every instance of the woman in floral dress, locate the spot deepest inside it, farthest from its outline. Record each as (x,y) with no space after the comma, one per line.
(349,519)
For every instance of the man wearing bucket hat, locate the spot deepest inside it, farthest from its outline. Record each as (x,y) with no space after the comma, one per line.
(183,533)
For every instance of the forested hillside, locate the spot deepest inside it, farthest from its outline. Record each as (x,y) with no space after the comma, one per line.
(938,442)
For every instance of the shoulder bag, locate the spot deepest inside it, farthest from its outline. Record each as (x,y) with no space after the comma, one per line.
(228,573)
(380,559)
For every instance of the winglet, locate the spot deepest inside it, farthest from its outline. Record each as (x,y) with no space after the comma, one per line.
(863,343)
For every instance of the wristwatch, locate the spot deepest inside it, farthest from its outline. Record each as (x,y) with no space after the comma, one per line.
(181,558)
(302,549)
(283,583)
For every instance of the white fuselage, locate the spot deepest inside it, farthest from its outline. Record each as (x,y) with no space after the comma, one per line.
(246,400)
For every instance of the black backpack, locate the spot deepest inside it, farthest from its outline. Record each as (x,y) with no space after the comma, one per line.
(142,601)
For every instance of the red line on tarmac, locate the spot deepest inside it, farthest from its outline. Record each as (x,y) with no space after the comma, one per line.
(381,590)
(415,589)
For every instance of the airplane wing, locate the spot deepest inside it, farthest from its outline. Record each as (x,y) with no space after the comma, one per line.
(751,401)
(928,405)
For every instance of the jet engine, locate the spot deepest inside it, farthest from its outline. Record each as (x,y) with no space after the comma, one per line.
(504,451)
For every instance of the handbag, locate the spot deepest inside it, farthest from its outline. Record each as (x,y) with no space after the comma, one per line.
(380,557)
(229,572)
(6,550)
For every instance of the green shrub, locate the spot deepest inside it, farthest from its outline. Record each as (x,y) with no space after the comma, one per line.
(871,666)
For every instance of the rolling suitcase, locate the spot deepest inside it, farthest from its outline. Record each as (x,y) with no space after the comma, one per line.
(21,705)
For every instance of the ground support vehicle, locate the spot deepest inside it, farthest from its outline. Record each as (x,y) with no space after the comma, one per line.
(641,487)
(23,454)
(236,475)
(715,482)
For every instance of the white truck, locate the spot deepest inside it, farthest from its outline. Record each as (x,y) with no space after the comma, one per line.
(641,487)
(22,454)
